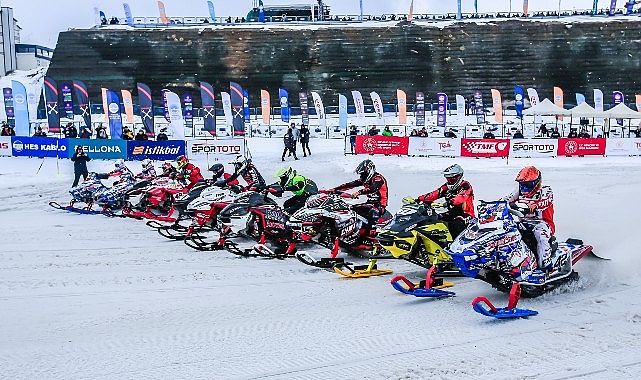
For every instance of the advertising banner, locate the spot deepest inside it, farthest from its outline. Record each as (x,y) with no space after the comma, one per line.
(360,107)
(82,99)
(5,146)
(155,150)
(209,110)
(283,95)
(304,107)
(441,147)
(441,111)
(619,147)
(188,112)
(478,107)
(420,109)
(146,108)
(221,147)
(67,100)
(113,112)
(265,106)
(581,147)
(8,106)
(381,145)
(519,96)
(485,147)
(342,112)
(320,110)
(100,149)
(402,106)
(38,147)
(378,108)
(534,148)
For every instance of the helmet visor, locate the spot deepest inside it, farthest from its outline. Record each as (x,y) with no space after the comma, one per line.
(528,186)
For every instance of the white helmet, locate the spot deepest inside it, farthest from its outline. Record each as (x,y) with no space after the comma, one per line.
(147,163)
(453,175)
(119,162)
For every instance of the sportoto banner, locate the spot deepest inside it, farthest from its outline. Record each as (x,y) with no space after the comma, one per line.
(581,147)
(5,146)
(381,145)
(534,148)
(155,150)
(441,147)
(216,147)
(485,147)
(101,149)
(38,147)
(623,147)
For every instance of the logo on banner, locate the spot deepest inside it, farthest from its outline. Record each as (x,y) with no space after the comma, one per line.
(4,145)
(445,145)
(216,149)
(283,101)
(571,147)
(156,150)
(113,107)
(18,98)
(18,146)
(370,145)
(484,147)
(528,147)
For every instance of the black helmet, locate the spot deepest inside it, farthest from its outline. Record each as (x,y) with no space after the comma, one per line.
(217,170)
(366,170)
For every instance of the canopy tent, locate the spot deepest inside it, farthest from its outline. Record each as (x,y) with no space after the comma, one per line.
(546,107)
(621,111)
(585,110)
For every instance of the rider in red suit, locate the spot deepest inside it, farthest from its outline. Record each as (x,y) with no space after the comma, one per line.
(188,172)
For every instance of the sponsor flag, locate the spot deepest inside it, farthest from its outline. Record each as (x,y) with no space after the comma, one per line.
(20,108)
(175,115)
(236,94)
(320,110)
(212,12)
(342,112)
(480,109)
(558,100)
(595,7)
(284,104)
(163,14)
(261,11)
(598,104)
(188,113)
(459,15)
(519,96)
(114,115)
(209,108)
(8,106)
(246,109)
(51,100)
(360,107)
(638,102)
(613,7)
(580,98)
(460,105)
(420,109)
(67,100)
(497,105)
(146,104)
(104,103)
(82,99)
(618,98)
(128,105)
(164,104)
(128,16)
(33,99)
(229,118)
(304,107)
(402,106)
(411,15)
(534,100)
(265,106)
(525,8)
(378,108)
(102,17)
(441,109)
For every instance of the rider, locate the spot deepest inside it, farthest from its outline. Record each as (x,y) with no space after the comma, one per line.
(148,171)
(243,167)
(459,197)
(188,172)
(168,170)
(122,170)
(218,174)
(302,188)
(539,218)
(374,186)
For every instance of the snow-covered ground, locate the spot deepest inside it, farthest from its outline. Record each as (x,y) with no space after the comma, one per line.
(90,297)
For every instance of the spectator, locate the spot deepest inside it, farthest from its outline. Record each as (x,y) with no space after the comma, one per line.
(573,134)
(543,130)
(101,132)
(555,133)
(373,131)
(304,139)
(422,132)
(127,134)
(79,159)
(413,133)
(637,132)
(114,21)
(86,133)
(296,134)
(70,131)
(584,134)
(39,132)
(518,135)
(387,132)
(450,134)
(290,144)
(352,137)
(606,128)
(488,135)
(162,136)
(141,135)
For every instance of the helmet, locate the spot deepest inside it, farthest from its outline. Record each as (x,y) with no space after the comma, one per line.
(529,179)
(119,162)
(217,170)
(147,163)
(182,161)
(286,175)
(366,170)
(453,175)
(240,163)
(166,165)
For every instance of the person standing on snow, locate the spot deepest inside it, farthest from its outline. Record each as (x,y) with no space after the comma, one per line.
(79,160)
(458,195)
(304,139)
(290,144)
(539,218)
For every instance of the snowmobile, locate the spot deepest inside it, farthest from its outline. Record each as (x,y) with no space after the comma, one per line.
(256,216)
(416,234)
(494,249)
(329,221)
(86,192)
(154,201)
(204,212)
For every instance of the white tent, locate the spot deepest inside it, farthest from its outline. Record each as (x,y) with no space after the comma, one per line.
(585,110)
(546,107)
(621,111)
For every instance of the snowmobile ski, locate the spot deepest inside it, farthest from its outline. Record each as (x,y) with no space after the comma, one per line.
(511,311)
(324,262)
(84,210)
(358,271)
(430,287)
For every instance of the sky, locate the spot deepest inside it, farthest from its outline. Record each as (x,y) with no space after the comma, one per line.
(42,20)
